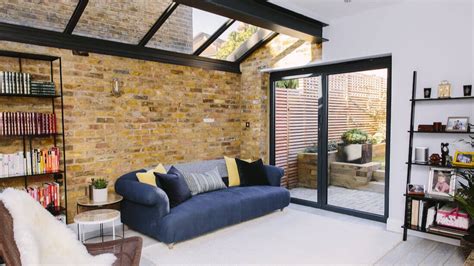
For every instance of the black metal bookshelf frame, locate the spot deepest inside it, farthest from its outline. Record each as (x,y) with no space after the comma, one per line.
(27,139)
(412,132)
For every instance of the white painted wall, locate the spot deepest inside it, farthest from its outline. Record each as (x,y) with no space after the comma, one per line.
(433,37)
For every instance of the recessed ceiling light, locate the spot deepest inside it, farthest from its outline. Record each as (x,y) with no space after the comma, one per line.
(347,1)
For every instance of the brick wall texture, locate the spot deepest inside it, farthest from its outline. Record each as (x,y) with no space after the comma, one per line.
(159,117)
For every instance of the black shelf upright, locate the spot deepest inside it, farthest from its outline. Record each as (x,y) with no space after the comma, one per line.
(412,132)
(59,176)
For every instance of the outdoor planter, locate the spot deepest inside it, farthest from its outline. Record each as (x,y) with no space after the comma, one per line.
(355,153)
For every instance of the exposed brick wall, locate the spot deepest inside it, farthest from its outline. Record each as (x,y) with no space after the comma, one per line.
(159,118)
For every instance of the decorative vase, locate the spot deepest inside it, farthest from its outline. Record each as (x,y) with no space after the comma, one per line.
(355,153)
(99,195)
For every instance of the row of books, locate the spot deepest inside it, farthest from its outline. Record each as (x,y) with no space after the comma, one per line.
(48,195)
(36,161)
(27,123)
(431,217)
(42,88)
(15,83)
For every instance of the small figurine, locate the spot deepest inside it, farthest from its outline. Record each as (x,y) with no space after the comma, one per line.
(444,153)
(435,159)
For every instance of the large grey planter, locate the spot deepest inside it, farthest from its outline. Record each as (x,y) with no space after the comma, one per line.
(355,153)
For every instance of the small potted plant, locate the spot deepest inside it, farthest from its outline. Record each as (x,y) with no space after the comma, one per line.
(99,189)
(464,196)
(356,147)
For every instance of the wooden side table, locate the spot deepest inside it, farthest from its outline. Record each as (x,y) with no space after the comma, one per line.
(97,217)
(85,202)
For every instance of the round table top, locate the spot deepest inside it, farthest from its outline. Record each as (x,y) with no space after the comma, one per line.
(97,216)
(112,198)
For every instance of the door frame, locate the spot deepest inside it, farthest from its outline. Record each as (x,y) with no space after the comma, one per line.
(324,70)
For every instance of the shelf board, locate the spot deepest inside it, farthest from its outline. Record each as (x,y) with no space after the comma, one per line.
(56,210)
(33,175)
(440,166)
(443,99)
(29,95)
(28,56)
(31,136)
(416,228)
(442,132)
(429,198)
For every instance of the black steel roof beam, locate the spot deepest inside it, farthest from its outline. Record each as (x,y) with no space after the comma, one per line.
(159,22)
(23,34)
(264,15)
(257,45)
(76,15)
(214,36)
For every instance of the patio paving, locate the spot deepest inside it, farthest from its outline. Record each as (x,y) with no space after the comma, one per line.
(367,201)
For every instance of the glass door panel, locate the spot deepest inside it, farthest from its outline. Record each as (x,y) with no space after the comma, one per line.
(296,134)
(357,115)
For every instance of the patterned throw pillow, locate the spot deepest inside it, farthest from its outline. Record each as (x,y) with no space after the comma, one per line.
(208,181)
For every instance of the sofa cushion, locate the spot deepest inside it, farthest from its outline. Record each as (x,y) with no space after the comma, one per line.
(202,213)
(175,187)
(256,201)
(252,174)
(201,166)
(205,182)
(149,177)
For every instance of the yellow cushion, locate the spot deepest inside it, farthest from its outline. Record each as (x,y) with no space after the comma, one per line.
(232,171)
(149,176)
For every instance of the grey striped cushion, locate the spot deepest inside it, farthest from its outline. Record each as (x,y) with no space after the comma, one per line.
(203,182)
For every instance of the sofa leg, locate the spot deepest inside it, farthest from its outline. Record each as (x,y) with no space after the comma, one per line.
(282,209)
(171,246)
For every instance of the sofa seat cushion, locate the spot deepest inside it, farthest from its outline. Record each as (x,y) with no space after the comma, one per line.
(200,214)
(259,200)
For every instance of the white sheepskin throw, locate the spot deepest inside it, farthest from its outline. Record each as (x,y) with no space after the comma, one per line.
(43,240)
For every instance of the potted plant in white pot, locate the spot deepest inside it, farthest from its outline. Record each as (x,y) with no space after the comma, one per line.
(99,189)
(356,147)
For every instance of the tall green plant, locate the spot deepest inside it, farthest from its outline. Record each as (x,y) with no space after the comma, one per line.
(235,39)
(465,195)
(288,83)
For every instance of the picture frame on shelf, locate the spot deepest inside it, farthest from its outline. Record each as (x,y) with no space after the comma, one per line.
(457,124)
(441,182)
(416,190)
(463,158)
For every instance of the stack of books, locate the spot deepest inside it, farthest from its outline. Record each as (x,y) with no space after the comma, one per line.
(15,83)
(42,88)
(36,161)
(21,123)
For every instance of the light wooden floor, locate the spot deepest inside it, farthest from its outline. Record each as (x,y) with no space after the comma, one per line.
(419,251)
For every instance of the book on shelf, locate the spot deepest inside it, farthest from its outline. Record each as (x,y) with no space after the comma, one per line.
(48,194)
(15,83)
(43,88)
(36,161)
(446,230)
(27,123)
(422,214)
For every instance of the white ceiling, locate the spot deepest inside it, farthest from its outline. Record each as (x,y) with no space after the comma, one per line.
(330,10)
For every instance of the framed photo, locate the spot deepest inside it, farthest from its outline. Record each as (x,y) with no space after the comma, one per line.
(414,189)
(457,124)
(442,182)
(463,158)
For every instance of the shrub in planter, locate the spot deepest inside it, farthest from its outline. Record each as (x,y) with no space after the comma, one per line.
(99,189)
(356,147)
(465,198)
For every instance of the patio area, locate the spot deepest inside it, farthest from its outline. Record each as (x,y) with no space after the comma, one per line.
(367,201)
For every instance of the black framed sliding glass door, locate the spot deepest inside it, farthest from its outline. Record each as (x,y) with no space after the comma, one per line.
(334,142)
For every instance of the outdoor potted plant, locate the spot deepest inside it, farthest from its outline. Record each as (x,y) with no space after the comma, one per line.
(356,147)
(464,196)
(99,189)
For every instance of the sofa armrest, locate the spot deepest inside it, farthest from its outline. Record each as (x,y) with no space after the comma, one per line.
(142,193)
(274,175)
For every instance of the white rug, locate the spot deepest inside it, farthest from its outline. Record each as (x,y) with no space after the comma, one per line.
(288,237)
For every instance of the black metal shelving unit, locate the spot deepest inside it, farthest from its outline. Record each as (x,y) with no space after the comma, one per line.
(412,132)
(58,176)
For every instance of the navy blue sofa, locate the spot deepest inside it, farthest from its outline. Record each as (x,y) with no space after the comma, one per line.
(146,208)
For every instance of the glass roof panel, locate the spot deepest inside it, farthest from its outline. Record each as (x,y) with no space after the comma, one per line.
(234,40)
(120,20)
(50,15)
(186,29)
